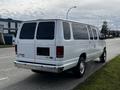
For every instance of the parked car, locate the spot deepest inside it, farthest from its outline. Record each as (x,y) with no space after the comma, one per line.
(55,45)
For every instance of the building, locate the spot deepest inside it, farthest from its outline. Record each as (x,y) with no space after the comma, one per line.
(9,26)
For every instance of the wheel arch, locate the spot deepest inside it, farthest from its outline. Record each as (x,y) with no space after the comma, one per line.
(104,49)
(84,55)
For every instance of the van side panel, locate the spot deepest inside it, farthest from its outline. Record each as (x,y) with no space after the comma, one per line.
(101,44)
(72,48)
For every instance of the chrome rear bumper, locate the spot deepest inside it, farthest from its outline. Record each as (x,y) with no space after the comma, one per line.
(47,68)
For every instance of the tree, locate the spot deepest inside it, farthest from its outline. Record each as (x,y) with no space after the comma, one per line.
(104,29)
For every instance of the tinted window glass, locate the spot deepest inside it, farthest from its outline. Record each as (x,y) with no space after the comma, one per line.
(101,36)
(28,31)
(90,32)
(66,30)
(79,31)
(45,30)
(95,34)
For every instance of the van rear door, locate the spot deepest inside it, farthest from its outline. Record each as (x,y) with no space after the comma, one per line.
(45,43)
(25,43)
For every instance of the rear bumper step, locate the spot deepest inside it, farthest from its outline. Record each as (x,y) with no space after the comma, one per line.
(41,67)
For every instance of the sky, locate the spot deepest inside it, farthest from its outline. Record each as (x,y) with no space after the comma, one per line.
(88,11)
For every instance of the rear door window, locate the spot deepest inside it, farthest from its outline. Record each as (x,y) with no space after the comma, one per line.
(28,31)
(45,30)
(66,30)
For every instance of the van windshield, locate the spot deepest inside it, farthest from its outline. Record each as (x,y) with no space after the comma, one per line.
(28,31)
(45,30)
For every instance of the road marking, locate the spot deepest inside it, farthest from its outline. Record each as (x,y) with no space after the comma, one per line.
(3,78)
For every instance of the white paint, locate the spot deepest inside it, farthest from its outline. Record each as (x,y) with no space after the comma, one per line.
(3,78)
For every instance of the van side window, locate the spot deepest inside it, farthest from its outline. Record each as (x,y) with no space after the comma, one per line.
(27,31)
(95,34)
(45,30)
(90,32)
(79,31)
(66,30)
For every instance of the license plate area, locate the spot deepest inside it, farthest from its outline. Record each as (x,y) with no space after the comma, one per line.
(43,51)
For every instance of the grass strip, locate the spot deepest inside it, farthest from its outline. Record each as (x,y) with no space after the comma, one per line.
(107,78)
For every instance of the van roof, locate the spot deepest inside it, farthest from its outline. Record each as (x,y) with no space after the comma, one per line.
(57,19)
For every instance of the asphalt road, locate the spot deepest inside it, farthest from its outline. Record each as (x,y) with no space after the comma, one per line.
(12,78)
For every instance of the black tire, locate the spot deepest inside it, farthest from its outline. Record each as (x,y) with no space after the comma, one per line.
(35,71)
(103,56)
(80,69)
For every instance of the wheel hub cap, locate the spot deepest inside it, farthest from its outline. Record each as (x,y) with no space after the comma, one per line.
(82,67)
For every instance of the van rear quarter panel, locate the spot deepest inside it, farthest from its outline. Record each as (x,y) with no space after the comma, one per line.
(75,48)
(72,48)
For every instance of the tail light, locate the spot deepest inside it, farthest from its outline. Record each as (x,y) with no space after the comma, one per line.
(16,49)
(59,51)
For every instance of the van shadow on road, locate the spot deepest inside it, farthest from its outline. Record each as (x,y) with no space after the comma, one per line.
(50,81)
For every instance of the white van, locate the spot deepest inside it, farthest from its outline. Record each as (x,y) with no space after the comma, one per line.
(55,45)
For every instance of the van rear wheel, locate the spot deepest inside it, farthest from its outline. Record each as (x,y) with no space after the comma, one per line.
(80,69)
(103,56)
